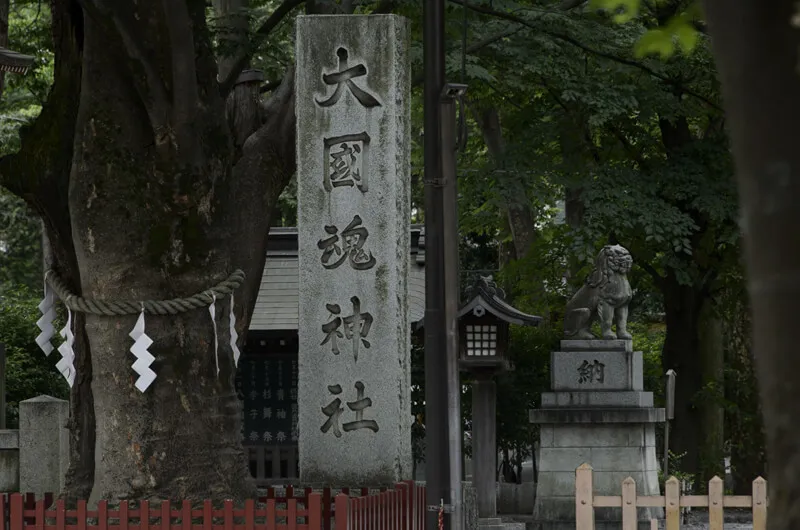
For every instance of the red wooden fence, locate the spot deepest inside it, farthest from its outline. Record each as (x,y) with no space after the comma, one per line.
(401,508)
(29,501)
(328,505)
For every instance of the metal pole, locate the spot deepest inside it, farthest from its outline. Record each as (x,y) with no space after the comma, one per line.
(666,449)
(452,295)
(437,458)
(670,414)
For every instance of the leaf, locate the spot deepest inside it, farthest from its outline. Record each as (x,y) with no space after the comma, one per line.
(687,36)
(655,41)
(623,10)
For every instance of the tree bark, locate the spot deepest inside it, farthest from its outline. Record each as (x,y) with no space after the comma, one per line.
(682,308)
(693,348)
(518,209)
(744,423)
(577,151)
(756,45)
(156,170)
(234,28)
(711,354)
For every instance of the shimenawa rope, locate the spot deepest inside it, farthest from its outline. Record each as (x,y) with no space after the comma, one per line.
(153,307)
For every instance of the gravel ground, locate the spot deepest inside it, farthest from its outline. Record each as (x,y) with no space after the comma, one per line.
(697,519)
(734,520)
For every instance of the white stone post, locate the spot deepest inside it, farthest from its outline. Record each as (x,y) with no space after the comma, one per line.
(353,180)
(43,445)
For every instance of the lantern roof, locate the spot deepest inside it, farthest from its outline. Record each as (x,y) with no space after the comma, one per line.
(485,295)
(14,62)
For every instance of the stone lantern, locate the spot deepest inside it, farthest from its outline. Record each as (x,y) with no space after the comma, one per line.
(483,337)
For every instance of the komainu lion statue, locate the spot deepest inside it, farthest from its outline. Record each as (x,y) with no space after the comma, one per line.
(604,297)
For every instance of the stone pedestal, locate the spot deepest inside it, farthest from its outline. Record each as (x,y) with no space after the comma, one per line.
(598,414)
(43,445)
(353,185)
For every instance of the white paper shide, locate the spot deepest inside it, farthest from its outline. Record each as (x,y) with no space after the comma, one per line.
(66,365)
(141,342)
(47,307)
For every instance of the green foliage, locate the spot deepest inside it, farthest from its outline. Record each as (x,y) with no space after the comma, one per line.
(521,389)
(20,244)
(622,10)
(29,33)
(28,372)
(675,470)
(648,338)
(678,31)
(20,232)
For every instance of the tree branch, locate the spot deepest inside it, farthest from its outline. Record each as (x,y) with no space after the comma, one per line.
(566,5)
(570,40)
(264,170)
(154,94)
(657,278)
(419,78)
(277,104)
(264,30)
(185,94)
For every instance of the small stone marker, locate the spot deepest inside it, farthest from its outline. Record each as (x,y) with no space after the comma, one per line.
(43,444)
(352,107)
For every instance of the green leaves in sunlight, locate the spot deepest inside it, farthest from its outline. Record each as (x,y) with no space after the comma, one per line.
(679,32)
(621,10)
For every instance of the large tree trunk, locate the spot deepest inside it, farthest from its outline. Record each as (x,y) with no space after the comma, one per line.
(680,354)
(162,203)
(162,209)
(711,354)
(757,45)
(744,423)
(693,348)
(693,345)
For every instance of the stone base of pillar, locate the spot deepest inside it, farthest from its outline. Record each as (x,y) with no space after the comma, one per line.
(599,415)
(495,523)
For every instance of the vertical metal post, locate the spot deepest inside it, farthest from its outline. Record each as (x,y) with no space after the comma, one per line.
(437,460)
(670,414)
(452,296)
(666,449)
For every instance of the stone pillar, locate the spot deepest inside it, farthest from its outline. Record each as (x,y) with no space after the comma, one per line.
(9,460)
(484,444)
(43,445)
(353,185)
(598,414)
